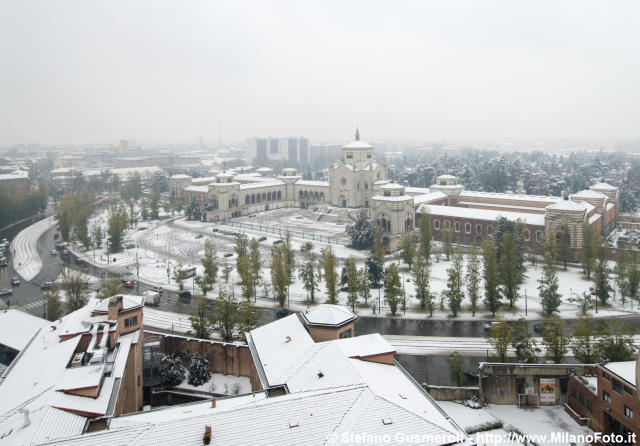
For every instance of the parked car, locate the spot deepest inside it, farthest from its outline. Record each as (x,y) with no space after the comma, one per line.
(472,377)
(45,286)
(65,251)
(186,295)
(215,229)
(157,289)
(53,252)
(78,261)
(130,245)
(199,236)
(282,312)
(128,284)
(6,292)
(538,327)
(3,262)
(15,281)
(262,239)
(228,254)
(151,298)
(277,242)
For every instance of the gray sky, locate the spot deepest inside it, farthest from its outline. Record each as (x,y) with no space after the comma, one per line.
(169,71)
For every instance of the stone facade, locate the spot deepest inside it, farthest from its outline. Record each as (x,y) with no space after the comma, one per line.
(358,182)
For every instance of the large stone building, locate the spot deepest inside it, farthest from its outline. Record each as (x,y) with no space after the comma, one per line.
(358,184)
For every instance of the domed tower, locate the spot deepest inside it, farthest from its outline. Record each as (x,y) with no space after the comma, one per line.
(351,179)
(225,193)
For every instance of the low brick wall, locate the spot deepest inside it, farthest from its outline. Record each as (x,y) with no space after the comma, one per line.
(229,359)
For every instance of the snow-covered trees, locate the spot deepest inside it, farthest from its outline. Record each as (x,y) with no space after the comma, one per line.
(53,303)
(524,344)
(454,290)
(392,288)
(555,339)
(500,337)
(309,274)
(352,283)
(172,372)
(473,277)
(361,233)
(491,283)
(550,297)
(199,370)
(279,275)
(420,271)
(455,368)
(210,265)
(330,275)
(601,271)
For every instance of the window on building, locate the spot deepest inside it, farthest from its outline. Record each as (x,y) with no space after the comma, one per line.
(538,236)
(606,376)
(628,412)
(581,398)
(457,226)
(368,156)
(490,230)
(479,229)
(467,228)
(573,392)
(606,396)
(589,406)
(617,386)
(131,321)
(366,203)
(349,156)
(628,390)
(436,224)
(527,236)
(345,334)
(447,225)
(366,185)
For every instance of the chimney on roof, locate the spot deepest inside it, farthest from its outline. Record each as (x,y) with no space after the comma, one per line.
(287,339)
(115,305)
(207,435)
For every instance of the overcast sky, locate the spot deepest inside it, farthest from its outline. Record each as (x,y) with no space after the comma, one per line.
(172,71)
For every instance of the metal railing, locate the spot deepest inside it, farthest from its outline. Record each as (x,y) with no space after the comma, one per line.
(307,236)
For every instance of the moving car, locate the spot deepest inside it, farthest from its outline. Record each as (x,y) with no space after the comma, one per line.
(6,292)
(53,252)
(3,261)
(128,284)
(130,245)
(262,239)
(186,295)
(45,286)
(228,254)
(151,298)
(15,281)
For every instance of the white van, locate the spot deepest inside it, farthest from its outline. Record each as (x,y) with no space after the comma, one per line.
(151,298)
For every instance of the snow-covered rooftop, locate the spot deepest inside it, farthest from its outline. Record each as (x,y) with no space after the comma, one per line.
(505,196)
(329,315)
(624,369)
(180,176)
(392,198)
(570,205)
(391,186)
(603,186)
(264,169)
(364,346)
(265,183)
(427,198)
(357,145)
(481,214)
(17,328)
(279,344)
(129,301)
(16,175)
(588,193)
(312,183)
(197,188)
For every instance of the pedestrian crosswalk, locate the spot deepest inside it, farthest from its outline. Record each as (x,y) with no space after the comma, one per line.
(32,305)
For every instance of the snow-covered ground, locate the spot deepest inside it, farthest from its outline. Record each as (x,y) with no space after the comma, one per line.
(161,246)
(544,420)
(26,260)
(220,384)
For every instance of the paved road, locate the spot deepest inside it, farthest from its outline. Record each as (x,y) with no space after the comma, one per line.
(28,294)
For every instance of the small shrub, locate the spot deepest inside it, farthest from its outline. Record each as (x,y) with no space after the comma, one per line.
(172,373)
(199,372)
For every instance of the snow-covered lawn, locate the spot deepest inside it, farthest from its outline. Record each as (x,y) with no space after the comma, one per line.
(26,260)
(164,244)
(530,421)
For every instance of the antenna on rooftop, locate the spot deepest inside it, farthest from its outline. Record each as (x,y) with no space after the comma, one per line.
(357,133)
